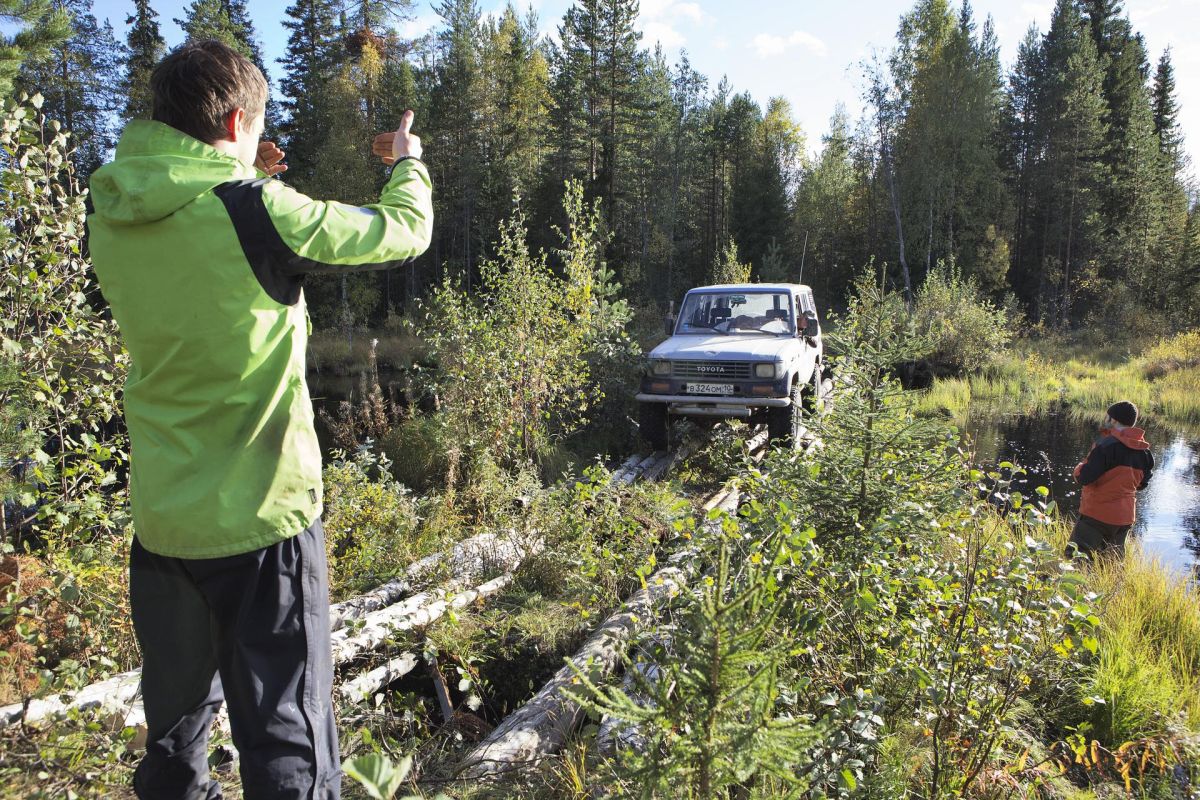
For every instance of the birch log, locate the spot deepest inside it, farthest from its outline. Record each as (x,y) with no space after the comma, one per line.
(466,562)
(540,727)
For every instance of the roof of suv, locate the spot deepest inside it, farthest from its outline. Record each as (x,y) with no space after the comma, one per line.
(752,287)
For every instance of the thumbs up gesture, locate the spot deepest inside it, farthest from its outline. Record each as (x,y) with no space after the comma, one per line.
(392,147)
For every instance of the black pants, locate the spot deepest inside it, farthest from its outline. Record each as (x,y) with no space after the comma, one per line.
(1093,537)
(252,630)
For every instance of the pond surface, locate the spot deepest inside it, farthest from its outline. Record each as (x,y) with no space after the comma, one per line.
(1050,445)
(329,391)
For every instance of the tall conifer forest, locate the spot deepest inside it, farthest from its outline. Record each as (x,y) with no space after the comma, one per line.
(1058,181)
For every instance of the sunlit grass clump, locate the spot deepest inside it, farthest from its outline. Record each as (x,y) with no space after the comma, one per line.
(1162,379)
(1148,669)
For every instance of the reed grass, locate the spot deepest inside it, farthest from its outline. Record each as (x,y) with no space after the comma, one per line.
(1148,669)
(1162,378)
(332,352)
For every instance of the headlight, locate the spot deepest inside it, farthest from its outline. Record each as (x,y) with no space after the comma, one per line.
(660,367)
(764,370)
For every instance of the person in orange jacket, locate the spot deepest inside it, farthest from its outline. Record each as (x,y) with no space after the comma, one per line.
(1118,466)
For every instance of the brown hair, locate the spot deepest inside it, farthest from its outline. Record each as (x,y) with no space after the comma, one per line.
(199,84)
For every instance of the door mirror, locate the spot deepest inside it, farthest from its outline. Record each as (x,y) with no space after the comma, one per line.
(669,325)
(811,327)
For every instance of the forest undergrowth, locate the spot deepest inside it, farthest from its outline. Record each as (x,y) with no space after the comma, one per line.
(869,623)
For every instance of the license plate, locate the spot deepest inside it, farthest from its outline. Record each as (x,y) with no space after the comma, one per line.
(710,388)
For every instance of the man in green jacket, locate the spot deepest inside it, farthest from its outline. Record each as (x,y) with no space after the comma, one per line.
(202,257)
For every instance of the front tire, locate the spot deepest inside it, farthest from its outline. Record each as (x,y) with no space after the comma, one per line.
(652,421)
(784,423)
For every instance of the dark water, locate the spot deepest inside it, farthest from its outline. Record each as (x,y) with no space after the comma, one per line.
(1050,445)
(329,391)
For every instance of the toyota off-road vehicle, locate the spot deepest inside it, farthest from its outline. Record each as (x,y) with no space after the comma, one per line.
(747,350)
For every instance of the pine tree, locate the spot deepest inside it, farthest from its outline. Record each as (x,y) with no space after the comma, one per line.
(948,79)
(375,16)
(81,82)
(308,66)
(1019,156)
(823,212)
(41,26)
(767,165)
(1071,136)
(145,48)
(457,114)
(345,170)
(226,21)
(1166,113)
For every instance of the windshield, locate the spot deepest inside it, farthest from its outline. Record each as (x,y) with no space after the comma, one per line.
(736,312)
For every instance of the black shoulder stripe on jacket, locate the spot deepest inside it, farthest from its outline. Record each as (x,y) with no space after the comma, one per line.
(279,270)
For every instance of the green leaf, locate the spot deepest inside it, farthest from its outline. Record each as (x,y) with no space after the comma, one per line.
(848,781)
(377,774)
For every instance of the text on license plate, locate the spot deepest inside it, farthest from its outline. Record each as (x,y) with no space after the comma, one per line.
(710,388)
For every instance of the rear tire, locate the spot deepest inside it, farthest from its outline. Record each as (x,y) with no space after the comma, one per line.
(652,421)
(784,423)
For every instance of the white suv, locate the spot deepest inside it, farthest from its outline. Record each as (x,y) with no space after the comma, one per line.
(749,350)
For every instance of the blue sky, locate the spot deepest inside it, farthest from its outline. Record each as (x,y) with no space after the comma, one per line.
(809,51)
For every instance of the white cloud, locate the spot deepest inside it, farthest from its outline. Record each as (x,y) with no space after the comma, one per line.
(768,44)
(662,33)
(721,43)
(691,11)
(659,21)
(419,26)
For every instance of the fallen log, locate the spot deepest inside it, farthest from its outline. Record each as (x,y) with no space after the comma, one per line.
(538,729)
(415,612)
(362,687)
(465,562)
(112,694)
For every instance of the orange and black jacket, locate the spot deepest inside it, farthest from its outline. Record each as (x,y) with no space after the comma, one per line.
(1116,468)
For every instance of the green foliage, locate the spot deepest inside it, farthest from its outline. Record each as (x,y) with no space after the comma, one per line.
(867,626)
(707,716)
(371,523)
(965,330)
(727,268)
(145,48)
(513,370)
(41,24)
(68,359)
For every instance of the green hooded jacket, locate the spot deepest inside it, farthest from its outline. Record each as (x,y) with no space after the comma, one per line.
(202,259)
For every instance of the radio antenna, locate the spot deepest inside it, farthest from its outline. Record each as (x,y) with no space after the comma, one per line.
(803,253)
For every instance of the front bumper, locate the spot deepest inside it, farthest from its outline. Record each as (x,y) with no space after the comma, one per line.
(694,405)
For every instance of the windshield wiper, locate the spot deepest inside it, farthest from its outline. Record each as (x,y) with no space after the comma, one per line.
(710,327)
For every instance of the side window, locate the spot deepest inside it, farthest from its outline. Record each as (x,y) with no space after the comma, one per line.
(805,302)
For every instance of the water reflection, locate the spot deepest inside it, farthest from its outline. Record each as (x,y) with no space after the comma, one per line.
(1050,445)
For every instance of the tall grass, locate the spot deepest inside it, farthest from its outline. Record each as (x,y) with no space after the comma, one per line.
(1163,379)
(1148,669)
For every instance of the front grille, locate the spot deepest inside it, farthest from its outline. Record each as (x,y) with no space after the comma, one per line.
(715,370)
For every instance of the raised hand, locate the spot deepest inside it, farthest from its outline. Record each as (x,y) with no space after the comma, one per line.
(270,159)
(391,147)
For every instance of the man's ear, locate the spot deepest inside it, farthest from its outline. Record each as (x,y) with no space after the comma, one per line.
(233,124)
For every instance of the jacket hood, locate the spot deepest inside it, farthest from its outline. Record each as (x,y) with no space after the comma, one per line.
(157,171)
(1133,438)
